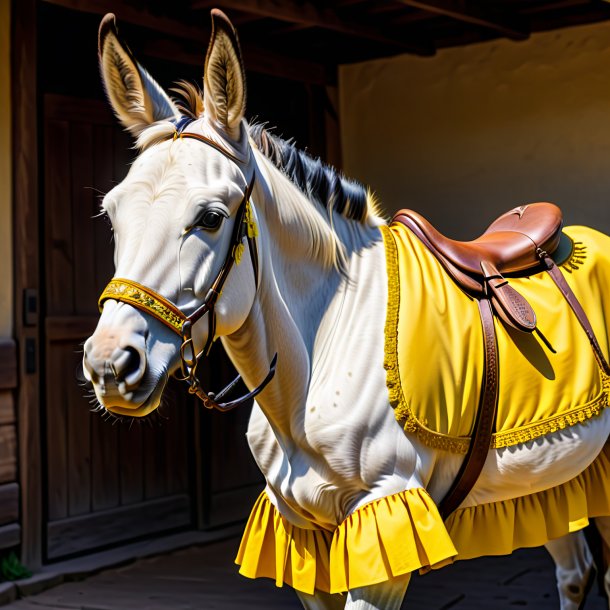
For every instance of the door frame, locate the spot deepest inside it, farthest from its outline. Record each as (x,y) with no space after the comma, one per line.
(26,258)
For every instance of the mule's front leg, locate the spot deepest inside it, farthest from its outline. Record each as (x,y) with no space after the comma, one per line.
(384,596)
(573,567)
(322,601)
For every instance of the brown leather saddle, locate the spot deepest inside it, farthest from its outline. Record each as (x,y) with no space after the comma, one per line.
(522,242)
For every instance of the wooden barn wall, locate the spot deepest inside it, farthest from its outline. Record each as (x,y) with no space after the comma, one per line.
(9,489)
(477,130)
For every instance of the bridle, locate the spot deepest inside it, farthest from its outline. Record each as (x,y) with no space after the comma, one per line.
(156,305)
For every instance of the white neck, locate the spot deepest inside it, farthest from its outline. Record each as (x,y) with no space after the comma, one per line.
(316,310)
(293,303)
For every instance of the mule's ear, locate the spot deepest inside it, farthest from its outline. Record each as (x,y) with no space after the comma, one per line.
(134,95)
(224,76)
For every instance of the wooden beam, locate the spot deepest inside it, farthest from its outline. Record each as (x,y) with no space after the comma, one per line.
(554,6)
(477,13)
(312,15)
(127,12)
(255,59)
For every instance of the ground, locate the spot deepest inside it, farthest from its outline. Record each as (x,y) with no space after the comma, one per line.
(205,578)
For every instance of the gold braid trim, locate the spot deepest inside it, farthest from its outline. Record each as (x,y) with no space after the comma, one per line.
(402,410)
(145,299)
(460,444)
(577,415)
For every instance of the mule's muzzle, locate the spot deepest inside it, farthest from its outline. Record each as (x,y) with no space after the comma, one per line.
(116,363)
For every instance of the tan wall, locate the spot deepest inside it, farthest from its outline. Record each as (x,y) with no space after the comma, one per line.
(483,128)
(6,250)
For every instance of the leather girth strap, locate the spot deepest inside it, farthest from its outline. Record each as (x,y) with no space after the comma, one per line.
(485,420)
(487,287)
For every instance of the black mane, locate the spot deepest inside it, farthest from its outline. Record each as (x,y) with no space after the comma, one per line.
(316,179)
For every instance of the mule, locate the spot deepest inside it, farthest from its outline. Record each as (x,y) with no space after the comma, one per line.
(349,509)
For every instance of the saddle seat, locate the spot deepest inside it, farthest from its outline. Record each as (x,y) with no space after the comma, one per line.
(512,243)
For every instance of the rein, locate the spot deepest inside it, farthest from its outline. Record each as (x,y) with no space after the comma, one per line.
(154,304)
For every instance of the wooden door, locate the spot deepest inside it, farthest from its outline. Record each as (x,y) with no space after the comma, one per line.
(106,482)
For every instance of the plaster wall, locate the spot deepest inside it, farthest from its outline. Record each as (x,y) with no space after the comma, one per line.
(6,247)
(476,130)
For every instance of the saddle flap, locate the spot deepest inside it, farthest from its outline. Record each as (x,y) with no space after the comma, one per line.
(512,308)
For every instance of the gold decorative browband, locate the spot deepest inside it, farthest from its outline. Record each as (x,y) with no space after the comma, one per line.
(145,299)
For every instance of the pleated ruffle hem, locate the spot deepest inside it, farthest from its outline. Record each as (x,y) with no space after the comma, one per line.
(383,539)
(404,532)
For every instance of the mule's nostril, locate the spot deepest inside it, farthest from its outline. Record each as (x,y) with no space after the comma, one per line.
(127,363)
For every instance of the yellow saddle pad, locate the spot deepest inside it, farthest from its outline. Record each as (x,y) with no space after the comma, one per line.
(434,347)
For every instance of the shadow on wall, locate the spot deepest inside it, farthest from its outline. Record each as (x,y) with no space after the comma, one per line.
(476,130)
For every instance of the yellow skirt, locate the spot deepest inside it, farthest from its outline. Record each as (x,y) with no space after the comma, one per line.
(404,532)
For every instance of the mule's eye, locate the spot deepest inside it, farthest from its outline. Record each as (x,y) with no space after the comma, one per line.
(210,219)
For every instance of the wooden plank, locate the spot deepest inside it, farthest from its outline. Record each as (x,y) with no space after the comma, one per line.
(62,107)
(58,219)
(332,128)
(8,364)
(131,449)
(176,441)
(105,492)
(314,15)
(26,247)
(7,407)
(103,181)
(10,535)
(9,503)
(478,13)
(8,453)
(123,154)
(316,125)
(199,467)
(84,208)
(232,465)
(233,505)
(70,328)
(155,483)
(78,439)
(58,358)
(77,534)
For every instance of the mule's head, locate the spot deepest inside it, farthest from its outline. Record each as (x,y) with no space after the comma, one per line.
(173,218)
